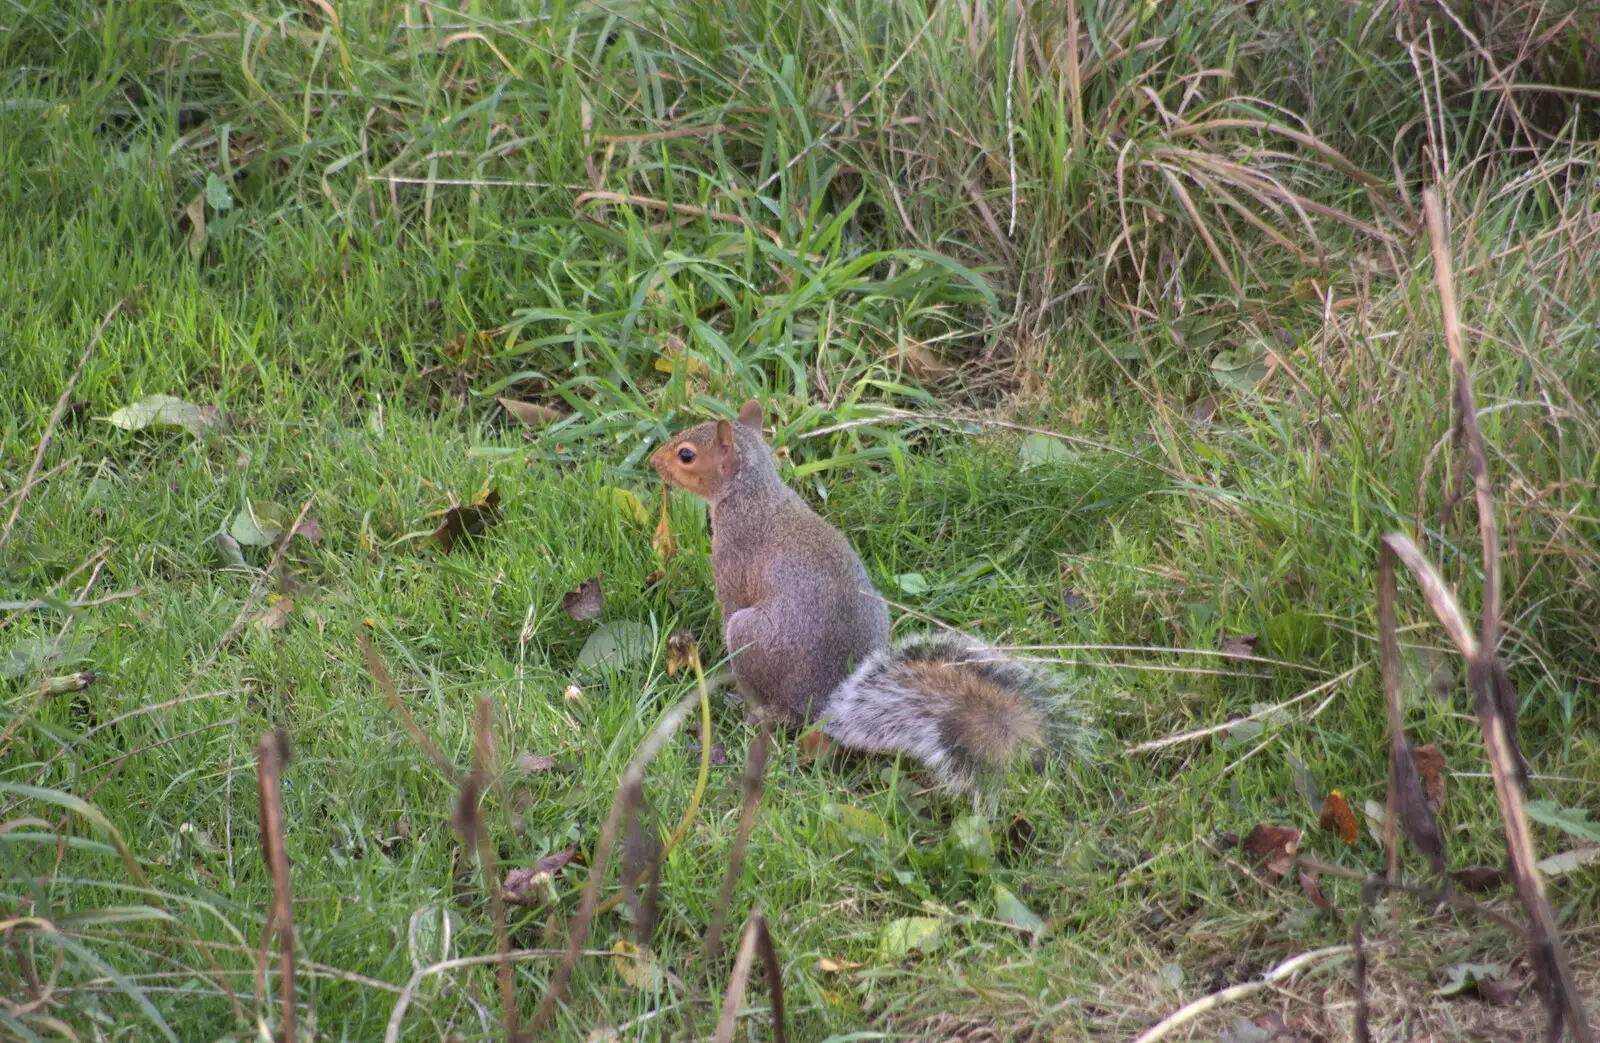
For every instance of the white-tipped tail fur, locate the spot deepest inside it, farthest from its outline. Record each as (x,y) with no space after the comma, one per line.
(963,709)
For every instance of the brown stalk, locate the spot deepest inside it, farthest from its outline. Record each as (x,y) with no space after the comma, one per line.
(755,770)
(1406,802)
(391,695)
(272,754)
(630,791)
(475,832)
(1486,675)
(756,938)
(55,418)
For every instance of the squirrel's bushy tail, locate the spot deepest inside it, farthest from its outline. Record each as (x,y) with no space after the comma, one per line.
(960,707)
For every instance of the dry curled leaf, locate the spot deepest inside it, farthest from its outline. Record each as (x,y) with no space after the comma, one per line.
(1311,885)
(1241,647)
(525,887)
(813,745)
(655,577)
(462,521)
(573,694)
(310,530)
(585,602)
(531,413)
(828,965)
(1337,817)
(556,861)
(665,544)
(1430,765)
(535,764)
(681,653)
(274,616)
(1273,847)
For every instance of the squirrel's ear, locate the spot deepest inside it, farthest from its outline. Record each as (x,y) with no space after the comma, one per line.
(724,453)
(750,415)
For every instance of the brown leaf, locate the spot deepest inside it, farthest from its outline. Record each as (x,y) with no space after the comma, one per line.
(666,546)
(1313,889)
(531,413)
(310,529)
(1203,410)
(195,215)
(466,520)
(719,755)
(535,764)
(585,602)
(1479,878)
(681,653)
(556,861)
(1430,765)
(1500,992)
(1337,817)
(1240,647)
(1273,847)
(813,745)
(524,887)
(920,362)
(274,616)
(655,577)
(828,965)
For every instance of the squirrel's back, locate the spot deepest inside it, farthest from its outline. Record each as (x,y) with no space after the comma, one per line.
(960,707)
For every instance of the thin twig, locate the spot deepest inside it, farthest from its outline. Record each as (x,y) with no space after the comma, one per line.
(31,606)
(391,694)
(755,771)
(1190,1011)
(397,1014)
(55,418)
(1173,740)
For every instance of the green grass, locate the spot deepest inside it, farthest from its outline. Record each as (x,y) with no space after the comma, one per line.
(1172,227)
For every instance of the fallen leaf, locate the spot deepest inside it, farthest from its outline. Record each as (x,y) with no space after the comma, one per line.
(664,543)
(1241,647)
(573,694)
(921,363)
(1273,847)
(556,861)
(535,764)
(828,965)
(681,655)
(1484,878)
(525,887)
(969,839)
(719,755)
(462,521)
(1240,369)
(260,523)
(1465,976)
(616,645)
(1311,885)
(1571,821)
(910,934)
(531,413)
(1336,817)
(676,358)
(1304,781)
(813,745)
(1500,992)
(1012,910)
(637,966)
(912,583)
(1567,861)
(228,552)
(1242,732)
(1038,450)
(1243,1030)
(310,530)
(1430,765)
(585,602)
(626,504)
(1377,817)
(852,825)
(195,215)
(32,654)
(1170,977)
(275,616)
(165,411)
(1203,410)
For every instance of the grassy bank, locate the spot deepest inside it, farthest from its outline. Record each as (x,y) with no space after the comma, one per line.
(1185,236)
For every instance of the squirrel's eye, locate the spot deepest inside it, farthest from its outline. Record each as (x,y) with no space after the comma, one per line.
(686,455)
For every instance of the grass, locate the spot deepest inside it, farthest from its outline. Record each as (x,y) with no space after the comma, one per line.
(1183,234)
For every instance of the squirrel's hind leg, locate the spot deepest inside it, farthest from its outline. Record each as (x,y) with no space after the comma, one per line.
(758,659)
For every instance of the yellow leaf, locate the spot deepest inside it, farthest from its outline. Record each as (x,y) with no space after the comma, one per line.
(627,504)
(531,413)
(636,966)
(665,544)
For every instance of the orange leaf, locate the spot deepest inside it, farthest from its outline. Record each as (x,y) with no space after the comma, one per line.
(1273,847)
(1338,818)
(1430,765)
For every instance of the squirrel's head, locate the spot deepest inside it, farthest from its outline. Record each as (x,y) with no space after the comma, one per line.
(704,458)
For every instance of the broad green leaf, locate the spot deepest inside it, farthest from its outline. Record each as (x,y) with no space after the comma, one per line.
(910,934)
(32,654)
(1038,450)
(164,411)
(617,645)
(260,524)
(969,840)
(1014,911)
(1239,369)
(848,825)
(912,583)
(626,504)
(1571,821)
(217,193)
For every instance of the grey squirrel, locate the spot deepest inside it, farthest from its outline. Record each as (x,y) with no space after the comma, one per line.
(810,638)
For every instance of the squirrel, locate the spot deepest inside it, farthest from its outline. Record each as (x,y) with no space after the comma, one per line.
(809,636)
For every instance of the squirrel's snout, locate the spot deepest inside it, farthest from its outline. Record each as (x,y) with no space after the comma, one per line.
(658,461)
